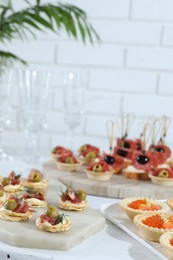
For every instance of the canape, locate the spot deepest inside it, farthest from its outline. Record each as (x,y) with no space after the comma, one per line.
(166,240)
(162,175)
(73,200)
(15,210)
(35,180)
(116,163)
(88,153)
(134,206)
(12,183)
(153,225)
(68,163)
(59,151)
(99,171)
(34,197)
(52,221)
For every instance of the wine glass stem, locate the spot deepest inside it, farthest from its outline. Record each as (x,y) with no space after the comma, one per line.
(1,135)
(32,144)
(71,134)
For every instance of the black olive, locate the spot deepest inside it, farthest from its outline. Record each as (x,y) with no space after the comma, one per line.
(109,159)
(122,153)
(126,145)
(159,149)
(142,159)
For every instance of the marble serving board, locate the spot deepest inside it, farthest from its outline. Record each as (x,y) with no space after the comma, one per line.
(117,216)
(117,187)
(26,234)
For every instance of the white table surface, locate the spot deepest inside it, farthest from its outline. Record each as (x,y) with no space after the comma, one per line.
(110,243)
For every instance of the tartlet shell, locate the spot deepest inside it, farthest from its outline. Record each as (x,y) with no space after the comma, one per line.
(150,233)
(99,176)
(131,213)
(161,181)
(61,227)
(67,205)
(164,241)
(69,167)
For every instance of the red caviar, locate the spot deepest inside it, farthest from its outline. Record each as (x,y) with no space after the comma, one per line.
(171,241)
(135,204)
(154,221)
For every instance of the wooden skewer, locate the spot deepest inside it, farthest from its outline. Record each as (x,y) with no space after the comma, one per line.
(146,136)
(110,126)
(166,122)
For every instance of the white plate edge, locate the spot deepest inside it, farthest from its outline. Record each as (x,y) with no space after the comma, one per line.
(140,240)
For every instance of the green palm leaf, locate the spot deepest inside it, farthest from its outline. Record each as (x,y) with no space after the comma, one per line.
(40,17)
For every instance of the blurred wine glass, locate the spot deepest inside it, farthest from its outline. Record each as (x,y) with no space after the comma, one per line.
(5,107)
(34,89)
(74,87)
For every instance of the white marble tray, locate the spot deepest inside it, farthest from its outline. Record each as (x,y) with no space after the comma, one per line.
(26,234)
(117,216)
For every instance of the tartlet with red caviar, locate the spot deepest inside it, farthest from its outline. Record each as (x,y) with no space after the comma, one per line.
(99,171)
(12,183)
(73,200)
(35,180)
(58,151)
(153,225)
(162,175)
(88,153)
(166,240)
(52,221)
(15,210)
(134,206)
(68,163)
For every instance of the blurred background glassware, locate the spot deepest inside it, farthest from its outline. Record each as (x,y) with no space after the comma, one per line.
(5,107)
(34,90)
(74,90)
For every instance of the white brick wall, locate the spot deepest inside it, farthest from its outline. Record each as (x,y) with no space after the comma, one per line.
(131,71)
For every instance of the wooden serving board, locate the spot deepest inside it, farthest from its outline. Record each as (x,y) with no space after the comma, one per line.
(117,187)
(26,234)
